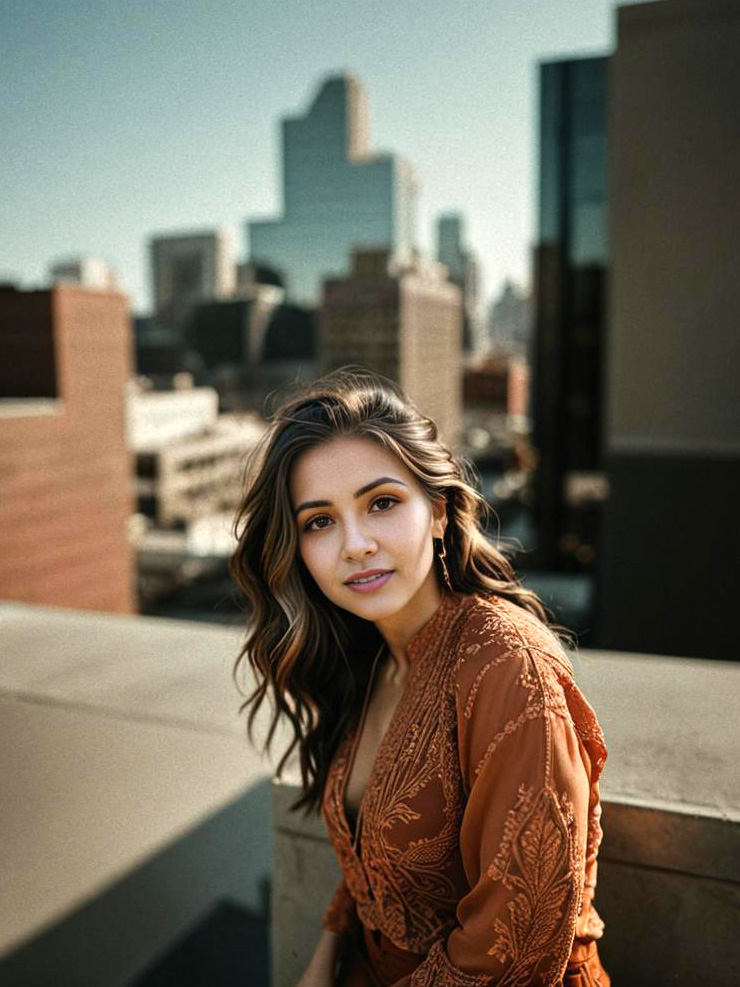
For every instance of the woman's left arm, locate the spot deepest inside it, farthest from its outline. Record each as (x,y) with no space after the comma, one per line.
(523,839)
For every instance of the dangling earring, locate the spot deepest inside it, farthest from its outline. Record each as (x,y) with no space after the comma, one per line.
(442,555)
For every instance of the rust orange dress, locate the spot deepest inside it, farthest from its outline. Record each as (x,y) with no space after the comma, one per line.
(473,858)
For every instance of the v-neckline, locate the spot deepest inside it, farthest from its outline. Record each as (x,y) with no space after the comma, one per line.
(417,642)
(350,758)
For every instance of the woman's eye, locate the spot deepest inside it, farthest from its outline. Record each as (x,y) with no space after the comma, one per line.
(309,526)
(322,521)
(390,501)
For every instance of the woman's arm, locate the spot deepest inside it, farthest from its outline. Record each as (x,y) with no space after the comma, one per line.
(524,829)
(338,922)
(322,968)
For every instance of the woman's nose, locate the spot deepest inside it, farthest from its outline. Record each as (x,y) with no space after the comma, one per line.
(358,542)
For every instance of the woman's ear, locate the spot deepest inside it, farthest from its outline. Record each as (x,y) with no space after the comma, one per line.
(439,517)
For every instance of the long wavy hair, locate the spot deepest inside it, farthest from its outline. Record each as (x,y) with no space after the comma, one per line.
(312,657)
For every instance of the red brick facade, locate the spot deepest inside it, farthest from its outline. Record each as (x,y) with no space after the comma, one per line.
(65,471)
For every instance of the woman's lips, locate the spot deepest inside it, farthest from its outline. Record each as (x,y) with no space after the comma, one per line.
(375,583)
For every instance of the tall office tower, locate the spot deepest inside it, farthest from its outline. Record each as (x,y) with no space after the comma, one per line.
(668,573)
(187,268)
(90,272)
(463,271)
(402,321)
(571,258)
(337,195)
(65,357)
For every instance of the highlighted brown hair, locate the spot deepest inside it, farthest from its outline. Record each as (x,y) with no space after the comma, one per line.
(312,657)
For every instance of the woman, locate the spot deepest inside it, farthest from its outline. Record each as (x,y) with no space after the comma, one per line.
(438,724)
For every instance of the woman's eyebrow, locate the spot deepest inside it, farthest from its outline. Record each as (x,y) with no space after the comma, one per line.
(358,493)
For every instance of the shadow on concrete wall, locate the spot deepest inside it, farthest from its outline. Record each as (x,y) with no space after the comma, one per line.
(203,902)
(230,947)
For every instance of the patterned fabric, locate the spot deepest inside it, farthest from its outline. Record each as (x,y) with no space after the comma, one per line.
(479,828)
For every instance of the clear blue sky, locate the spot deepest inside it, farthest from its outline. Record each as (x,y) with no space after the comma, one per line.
(123,119)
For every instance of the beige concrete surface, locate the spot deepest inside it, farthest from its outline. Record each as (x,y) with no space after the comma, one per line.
(118,734)
(152,668)
(670,728)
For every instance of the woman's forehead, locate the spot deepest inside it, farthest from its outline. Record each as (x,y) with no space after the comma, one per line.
(350,461)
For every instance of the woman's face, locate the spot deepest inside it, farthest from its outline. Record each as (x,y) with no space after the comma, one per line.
(359,510)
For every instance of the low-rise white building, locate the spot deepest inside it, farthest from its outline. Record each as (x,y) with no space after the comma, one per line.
(189,459)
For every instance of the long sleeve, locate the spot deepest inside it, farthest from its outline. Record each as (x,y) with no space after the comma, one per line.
(341,912)
(531,798)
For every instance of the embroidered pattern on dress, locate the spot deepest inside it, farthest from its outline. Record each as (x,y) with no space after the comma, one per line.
(404,890)
(538,857)
(436,971)
(409,889)
(340,915)
(553,687)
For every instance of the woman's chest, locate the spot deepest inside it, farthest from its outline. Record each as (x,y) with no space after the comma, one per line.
(400,772)
(380,711)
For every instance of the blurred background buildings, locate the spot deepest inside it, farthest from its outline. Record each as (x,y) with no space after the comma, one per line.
(66,504)
(574,431)
(404,322)
(598,402)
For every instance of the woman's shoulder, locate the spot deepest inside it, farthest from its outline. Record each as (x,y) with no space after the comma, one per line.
(495,626)
(509,660)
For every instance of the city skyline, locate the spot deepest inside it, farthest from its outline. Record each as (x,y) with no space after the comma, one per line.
(338,194)
(123,124)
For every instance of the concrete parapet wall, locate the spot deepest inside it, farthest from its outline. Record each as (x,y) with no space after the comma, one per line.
(133,806)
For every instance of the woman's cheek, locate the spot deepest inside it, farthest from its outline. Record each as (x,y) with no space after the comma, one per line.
(317,556)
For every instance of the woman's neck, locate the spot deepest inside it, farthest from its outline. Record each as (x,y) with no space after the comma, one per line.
(398,629)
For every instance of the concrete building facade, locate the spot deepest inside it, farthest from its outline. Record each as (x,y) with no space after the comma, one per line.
(187,268)
(404,322)
(66,501)
(189,459)
(337,195)
(672,419)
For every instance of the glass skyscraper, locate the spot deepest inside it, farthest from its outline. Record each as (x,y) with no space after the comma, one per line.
(337,195)
(570,280)
(573,149)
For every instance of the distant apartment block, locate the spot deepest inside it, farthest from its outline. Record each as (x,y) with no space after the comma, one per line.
(337,195)
(155,418)
(187,268)
(230,334)
(88,272)
(189,459)
(402,321)
(500,383)
(65,357)
(495,402)
(510,321)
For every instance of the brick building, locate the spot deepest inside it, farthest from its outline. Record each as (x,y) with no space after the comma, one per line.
(65,473)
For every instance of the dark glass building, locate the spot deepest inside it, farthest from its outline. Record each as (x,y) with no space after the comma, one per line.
(570,282)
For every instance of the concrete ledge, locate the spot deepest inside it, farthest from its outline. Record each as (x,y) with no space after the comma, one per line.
(682,841)
(132,802)
(113,938)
